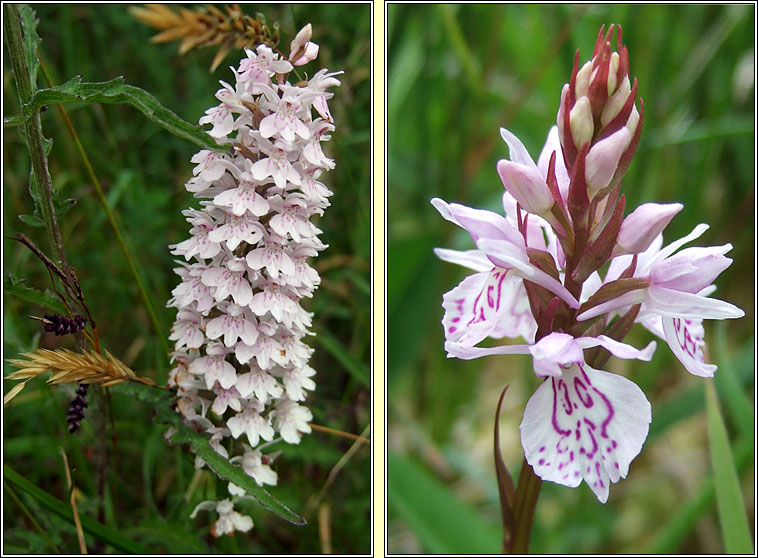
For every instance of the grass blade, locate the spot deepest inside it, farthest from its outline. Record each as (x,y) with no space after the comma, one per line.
(334,347)
(679,527)
(442,521)
(731,508)
(98,530)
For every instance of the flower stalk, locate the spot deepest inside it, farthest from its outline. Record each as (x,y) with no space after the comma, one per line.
(33,130)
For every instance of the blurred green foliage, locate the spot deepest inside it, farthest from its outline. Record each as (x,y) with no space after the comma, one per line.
(457,73)
(148,490)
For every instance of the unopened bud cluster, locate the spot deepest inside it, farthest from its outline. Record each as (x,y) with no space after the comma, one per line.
(241,364)
(597,118)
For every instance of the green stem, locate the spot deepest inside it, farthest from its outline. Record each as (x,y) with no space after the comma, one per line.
(33,131)
(157,328)
(29,516)
(524,505)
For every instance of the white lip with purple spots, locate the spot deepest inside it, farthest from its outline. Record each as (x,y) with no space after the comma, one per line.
(585,425)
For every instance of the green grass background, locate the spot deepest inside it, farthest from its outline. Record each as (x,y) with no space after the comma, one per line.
(143,170)
(456,74)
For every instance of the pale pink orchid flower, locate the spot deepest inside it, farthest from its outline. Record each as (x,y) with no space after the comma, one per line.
(228,521)
(677,298)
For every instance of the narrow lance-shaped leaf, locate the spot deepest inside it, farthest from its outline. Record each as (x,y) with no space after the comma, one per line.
(101,532)
(505,486)
(36,219)
(118,92)
(161,402)
(731,508)
(31,41)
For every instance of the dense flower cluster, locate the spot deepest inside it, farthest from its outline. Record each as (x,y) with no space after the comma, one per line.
(240,326)
(565,270)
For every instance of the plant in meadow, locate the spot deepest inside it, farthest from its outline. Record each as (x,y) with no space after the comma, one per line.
(565,270)
(241,366)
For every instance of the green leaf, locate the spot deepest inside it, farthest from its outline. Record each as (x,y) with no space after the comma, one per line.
(13,121)
(29,23)
(505,486)
(59,206)
(171,538)
(98,530)
(32,220)
(334,347)
(114,92)
(161,402)
(442,521)
(731,508)
(17,288)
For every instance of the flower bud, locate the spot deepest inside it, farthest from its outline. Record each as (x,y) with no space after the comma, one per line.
(583,80)
(302,50)
(604,85)
(616,102)
(613,69)
(633,120)
(643,225)
(561,112)
(301,39)
(582,126)
(526,185)
(603,160)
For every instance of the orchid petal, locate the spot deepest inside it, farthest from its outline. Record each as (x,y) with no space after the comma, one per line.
(697,232)
(553,145)
(554,352)
(598,423)
(621,350)
(627,299)
(457,350)
(685,338)
(472,259)
(676,304)
(483,304)
(479,223)
(505,254)
(692,269)
(517,151)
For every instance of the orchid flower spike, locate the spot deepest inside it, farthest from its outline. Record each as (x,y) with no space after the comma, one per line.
(564,271)
(240,362)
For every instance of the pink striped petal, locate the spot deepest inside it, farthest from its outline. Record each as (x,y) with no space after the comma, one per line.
(587,425)
(686,340)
